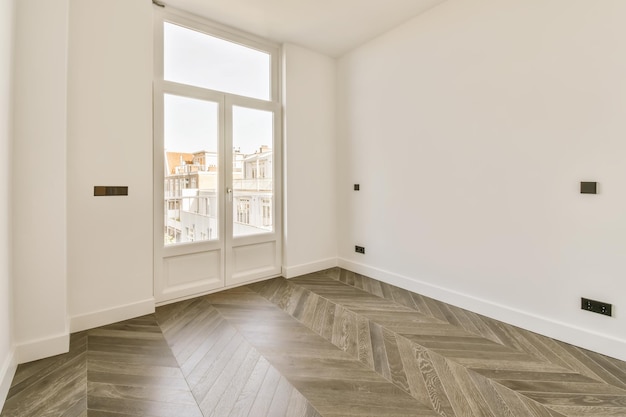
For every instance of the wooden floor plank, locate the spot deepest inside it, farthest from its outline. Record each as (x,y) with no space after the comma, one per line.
(267,391)
(332,343)
(231,393)
(219,374)
(52,392)
(280,399)
(249,390)
(131,370)
(447,333)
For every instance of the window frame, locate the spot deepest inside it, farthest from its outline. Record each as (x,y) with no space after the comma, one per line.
(211,28)
(228,34)
(224,247)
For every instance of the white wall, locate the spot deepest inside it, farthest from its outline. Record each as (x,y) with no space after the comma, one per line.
(469,129)
(107,269)
(110,143)
(39,179)
(310,233)
(7,365)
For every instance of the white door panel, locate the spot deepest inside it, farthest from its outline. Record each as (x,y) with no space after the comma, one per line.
(192,273)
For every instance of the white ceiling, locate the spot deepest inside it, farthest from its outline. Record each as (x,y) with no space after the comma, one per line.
(332,27)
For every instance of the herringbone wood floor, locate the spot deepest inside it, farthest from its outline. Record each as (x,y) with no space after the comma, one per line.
(332,343)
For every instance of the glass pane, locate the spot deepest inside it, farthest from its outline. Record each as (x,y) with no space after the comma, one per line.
(191,170)
(253,183)
(195,58)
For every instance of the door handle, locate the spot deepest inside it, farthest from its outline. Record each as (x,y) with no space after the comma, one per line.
(229,191)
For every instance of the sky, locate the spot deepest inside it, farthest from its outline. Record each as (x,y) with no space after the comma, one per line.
(198,59)
(192,125)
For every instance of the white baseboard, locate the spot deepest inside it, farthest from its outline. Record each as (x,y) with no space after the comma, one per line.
(7,372)
(111,315)
(42,348)
(297,270)
(565,332)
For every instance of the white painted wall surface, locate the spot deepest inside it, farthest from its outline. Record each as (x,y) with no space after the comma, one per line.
(310,234)
(110,143)
(469,129)
(39,179)
(7,365)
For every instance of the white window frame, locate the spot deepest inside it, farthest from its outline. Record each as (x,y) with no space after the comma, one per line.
(232,273)
(217,30)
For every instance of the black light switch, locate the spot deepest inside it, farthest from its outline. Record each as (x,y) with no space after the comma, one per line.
(357,187)
(589,188)
(105,191)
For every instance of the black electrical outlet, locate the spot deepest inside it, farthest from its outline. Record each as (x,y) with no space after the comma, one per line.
(359,249)
(596,306)
(357,187)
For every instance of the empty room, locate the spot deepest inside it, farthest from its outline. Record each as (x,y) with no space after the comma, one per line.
(312,208)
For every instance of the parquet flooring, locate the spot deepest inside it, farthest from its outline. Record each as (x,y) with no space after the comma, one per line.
(55,386)
(333,343)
